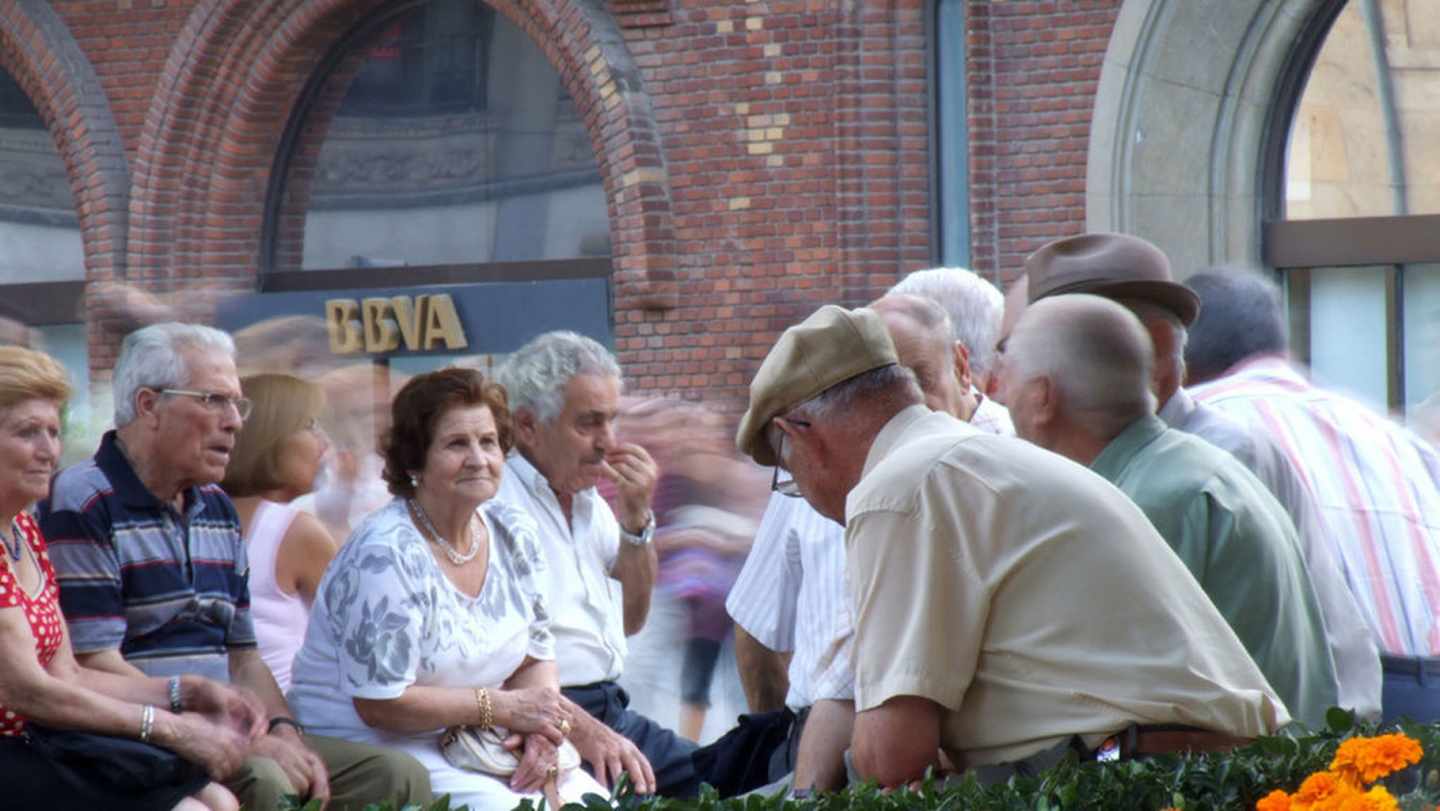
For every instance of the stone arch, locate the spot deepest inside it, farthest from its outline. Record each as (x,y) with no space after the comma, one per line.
(37,48)
(237,70)
(1183,115)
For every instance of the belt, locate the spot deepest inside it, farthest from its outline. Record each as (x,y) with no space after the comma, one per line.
(1164,739)
(1410,665)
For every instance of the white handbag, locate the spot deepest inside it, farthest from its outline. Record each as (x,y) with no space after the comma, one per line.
(483,750)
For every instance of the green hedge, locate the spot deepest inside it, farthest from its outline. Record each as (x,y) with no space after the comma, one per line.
(1236,780)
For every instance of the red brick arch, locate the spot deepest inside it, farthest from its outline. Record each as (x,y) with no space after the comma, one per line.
(38,49)
(236,72)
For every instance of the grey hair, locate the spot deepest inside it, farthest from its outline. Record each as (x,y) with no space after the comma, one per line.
(153,357)
(894,382)
(1094,351)
(1240,316)
(536,375)
(975,307)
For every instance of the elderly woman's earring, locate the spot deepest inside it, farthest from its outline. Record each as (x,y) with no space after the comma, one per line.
(414,480)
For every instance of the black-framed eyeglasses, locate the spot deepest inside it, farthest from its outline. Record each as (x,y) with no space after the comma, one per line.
(215,401)
(786,487)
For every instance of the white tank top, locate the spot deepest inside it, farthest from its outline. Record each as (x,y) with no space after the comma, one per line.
(280,618)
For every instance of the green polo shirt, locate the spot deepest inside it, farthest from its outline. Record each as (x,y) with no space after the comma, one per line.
(1239,543)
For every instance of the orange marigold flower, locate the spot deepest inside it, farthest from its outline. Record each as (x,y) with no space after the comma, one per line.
(1376,799)
(1277,800)
(1318,787)
(1370,759)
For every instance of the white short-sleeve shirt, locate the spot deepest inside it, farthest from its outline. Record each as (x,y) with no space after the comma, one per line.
(587,609)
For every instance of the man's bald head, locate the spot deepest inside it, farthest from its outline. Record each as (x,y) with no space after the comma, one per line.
(920,330)
(1096,357)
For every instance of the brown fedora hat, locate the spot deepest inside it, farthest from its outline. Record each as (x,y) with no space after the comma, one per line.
(1111,265)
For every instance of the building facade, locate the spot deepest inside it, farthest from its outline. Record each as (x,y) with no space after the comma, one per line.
(407,182)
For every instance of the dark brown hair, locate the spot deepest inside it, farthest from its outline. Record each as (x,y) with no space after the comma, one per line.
(417,409)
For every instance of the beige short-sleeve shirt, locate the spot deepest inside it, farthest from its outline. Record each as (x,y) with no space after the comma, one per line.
(1029,598)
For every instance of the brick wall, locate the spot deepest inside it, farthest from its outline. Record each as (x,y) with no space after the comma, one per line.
(760,158)
(1033,69)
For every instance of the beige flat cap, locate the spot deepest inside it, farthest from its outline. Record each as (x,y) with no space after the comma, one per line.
(831,346)
(1111,265)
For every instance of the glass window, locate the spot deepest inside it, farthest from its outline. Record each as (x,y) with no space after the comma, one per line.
(39,232)
(1360,197)
(951,136)
(440,135)
(1362,140)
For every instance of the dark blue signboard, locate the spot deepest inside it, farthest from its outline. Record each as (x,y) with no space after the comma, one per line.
(495,318)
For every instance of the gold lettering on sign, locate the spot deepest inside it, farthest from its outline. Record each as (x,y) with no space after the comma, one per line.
(380,332)
(443,324)
(340,318)
(378,325)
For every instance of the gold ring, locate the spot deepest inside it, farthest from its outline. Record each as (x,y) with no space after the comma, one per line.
(564,726)
(552,771)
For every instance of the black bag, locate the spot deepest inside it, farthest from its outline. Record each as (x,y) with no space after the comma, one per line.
(740,760)
(125,764)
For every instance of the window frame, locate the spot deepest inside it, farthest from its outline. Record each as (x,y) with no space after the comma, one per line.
(272,279)
(1294,247)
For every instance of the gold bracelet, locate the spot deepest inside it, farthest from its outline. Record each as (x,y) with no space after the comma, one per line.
(485,708)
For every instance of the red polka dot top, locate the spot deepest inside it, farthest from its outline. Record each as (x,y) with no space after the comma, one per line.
(41,611)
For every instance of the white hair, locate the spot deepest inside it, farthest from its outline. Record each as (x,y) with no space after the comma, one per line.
(974,305)
(536,375)
(1094,351)
(153,357)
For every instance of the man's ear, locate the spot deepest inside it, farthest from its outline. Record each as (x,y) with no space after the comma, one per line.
(147,404)
(962,366)
(523,423)
(1046,400)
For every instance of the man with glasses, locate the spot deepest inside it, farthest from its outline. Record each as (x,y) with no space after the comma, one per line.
(790,597)
(153,574)
(1010,607)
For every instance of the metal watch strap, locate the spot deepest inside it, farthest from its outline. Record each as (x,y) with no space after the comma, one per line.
(644,536)
(282,721)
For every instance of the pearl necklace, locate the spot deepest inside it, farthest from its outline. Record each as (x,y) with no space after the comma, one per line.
(427,528)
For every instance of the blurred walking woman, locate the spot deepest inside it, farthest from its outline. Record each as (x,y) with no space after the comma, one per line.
(71,737)
(430,616)
(276,458)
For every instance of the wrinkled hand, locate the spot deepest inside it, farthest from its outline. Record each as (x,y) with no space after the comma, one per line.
(535,709)
(539,755)
(610,754)
(634,473)
(304,769)
(224,705)
(218,747)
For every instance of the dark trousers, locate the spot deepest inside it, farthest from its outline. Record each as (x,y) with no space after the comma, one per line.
(668,753)
(1410,689)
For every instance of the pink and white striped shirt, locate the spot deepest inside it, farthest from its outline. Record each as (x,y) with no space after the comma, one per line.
(1376,486)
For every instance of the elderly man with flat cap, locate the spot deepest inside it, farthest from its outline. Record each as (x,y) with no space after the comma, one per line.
(1010,607)
(1077,381)
(1135,273)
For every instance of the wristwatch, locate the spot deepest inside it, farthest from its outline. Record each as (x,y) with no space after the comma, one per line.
(644,537)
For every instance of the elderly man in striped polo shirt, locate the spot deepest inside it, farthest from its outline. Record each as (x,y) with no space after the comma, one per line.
(152,569)
(1376,483)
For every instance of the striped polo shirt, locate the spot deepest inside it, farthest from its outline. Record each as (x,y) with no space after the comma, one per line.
(169,590)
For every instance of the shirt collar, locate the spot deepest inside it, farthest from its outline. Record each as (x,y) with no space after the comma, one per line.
(535,481)
(890,435)
(1178,408)
(126,482)
(1123,448)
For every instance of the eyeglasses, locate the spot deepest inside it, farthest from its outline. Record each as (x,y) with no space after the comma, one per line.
(215,401)
(787,487)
